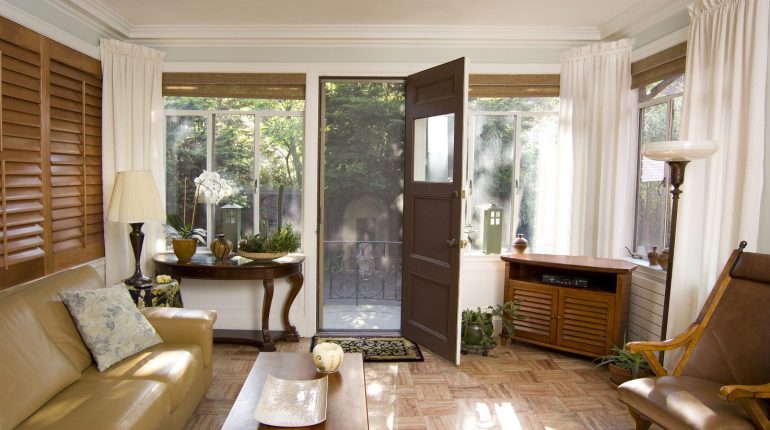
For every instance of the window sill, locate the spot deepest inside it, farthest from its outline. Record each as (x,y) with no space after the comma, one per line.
(644,267)
(479,256)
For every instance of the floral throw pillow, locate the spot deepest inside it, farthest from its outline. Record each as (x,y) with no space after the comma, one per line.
(110,324)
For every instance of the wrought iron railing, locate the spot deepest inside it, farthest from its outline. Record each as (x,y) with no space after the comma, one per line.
(364,270)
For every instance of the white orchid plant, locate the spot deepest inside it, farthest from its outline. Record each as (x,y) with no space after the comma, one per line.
(210,188)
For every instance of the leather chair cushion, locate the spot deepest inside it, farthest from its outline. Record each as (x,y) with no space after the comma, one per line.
(105,405)
(32,368)
(180,366)
(683,402)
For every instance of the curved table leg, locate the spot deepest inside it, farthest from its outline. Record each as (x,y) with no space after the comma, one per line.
(296,285)
(267,301)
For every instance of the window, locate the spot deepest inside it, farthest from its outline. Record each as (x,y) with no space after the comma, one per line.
(254,144)
(660,111)
(504,162)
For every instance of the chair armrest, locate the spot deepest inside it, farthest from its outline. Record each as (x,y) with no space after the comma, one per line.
(674,343)
(734,392)
(178,325)
(647,348)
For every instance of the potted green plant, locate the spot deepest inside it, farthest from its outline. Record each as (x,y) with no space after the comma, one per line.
(269,246)
(209,188)
(625,365)
(476,327)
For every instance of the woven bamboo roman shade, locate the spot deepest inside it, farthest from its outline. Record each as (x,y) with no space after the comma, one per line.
(664,64)
(241,85)
(513,86)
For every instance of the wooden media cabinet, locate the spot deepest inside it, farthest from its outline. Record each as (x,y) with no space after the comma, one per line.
(575,304)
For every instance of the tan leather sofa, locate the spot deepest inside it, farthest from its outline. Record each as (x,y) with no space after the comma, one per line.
(48,379)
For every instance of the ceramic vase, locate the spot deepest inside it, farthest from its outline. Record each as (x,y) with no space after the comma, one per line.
(653,256)
(184,249)
(327,357)
(663,259)
(221,247)
(520,244)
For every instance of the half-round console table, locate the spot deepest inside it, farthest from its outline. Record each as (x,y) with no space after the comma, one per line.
(203,266)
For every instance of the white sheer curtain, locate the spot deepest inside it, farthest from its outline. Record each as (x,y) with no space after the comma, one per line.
(724,99)
(132,139)
(593,175)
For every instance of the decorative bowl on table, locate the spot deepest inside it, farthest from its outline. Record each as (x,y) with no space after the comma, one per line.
(285,403)
(328,357)
(262,256)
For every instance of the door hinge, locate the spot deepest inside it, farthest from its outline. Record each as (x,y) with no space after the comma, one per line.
(462,194)
(463,243)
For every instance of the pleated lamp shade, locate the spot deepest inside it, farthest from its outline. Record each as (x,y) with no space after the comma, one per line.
(135,198)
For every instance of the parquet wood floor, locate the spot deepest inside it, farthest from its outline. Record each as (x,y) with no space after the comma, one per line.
(517,387)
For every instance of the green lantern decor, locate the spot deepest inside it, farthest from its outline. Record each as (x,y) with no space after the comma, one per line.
(232,223)
(493,230)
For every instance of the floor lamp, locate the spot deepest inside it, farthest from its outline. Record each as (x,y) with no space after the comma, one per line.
(676,153)
(134,200)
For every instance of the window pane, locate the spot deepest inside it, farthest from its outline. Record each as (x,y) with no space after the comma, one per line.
(519,104)
(185,160)
(655,123)
(280,172)
(492,173)
(652,196)
(234,161)
(676,122)
(537,132)
(434,148)
(215,103)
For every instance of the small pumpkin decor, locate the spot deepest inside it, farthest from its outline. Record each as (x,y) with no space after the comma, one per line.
(268,247)
(476,329)
(625,365)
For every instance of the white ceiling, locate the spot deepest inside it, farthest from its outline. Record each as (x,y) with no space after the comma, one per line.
(560,13)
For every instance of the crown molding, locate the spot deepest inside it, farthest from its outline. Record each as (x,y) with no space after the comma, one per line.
(95,15)
(362,35)
(349,69)
(43,27)
(640,17)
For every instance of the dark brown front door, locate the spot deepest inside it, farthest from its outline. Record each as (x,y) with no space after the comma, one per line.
(435,100)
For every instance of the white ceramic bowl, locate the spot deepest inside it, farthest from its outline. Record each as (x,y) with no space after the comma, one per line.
(328,357)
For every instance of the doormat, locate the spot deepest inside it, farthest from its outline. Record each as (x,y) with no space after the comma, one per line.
(375,348)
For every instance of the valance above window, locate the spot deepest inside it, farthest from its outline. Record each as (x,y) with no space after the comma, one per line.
(514,85)
(664,64)
(242,85)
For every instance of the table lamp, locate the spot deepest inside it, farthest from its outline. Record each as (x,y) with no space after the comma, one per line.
(676,153)
(134,200)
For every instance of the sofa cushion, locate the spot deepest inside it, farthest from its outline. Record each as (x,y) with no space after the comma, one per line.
(42,296)
(180,366)
(110,324)
(681,402)
(106,405)
(32,368)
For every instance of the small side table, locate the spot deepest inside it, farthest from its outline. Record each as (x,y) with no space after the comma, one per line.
(156,295)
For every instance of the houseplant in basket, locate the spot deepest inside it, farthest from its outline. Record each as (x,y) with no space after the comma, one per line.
(268,246)
(209,188)
(625,365)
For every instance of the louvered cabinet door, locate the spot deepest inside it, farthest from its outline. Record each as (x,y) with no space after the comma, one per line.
(75,157)
(538,306)
(585,320)
(22,237)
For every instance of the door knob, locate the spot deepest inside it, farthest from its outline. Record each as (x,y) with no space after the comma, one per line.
(451,243)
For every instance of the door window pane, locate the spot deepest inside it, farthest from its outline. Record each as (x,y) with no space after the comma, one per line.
(434,148)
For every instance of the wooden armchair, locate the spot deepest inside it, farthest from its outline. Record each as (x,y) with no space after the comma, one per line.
(722,379)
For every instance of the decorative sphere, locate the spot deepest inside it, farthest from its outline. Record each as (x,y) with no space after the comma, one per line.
(327,357)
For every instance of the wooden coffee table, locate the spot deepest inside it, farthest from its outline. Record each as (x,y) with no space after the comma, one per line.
(346,403)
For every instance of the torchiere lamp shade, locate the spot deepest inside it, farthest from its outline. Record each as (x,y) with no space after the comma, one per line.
(135,198)
(679,150)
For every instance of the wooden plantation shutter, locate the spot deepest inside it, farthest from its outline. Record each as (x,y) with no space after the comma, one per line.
(21,155)
(50,156)
(75,156)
